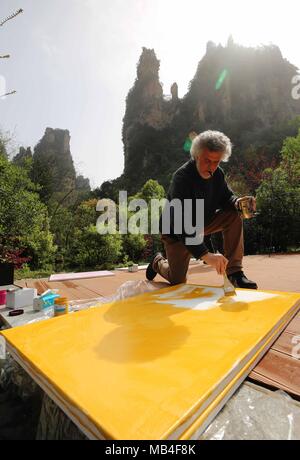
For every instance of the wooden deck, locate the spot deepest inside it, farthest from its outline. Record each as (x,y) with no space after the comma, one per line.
(278,368)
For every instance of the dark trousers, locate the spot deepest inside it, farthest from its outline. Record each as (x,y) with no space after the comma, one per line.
(174,268)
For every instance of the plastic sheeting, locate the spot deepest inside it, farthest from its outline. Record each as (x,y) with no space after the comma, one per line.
(128,289)
(254,413)
(54,425)
(20,402)
(15,380)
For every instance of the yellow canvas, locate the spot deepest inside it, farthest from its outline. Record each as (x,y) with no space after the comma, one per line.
(149,367)
(206,417)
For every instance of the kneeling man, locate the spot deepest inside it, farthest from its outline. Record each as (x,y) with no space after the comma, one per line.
(202,178)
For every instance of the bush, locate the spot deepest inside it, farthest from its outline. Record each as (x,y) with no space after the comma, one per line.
(89,249)
(24,221)
(133,246)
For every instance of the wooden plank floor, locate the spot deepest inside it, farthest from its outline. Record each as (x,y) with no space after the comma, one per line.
(73,290)
(278,369)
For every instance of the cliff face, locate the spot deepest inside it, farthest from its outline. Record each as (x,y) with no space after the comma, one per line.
(23,156)
(148,119)
(243,88)
(53,166)
(244,92)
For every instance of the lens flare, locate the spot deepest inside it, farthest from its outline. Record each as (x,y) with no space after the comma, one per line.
(222,77)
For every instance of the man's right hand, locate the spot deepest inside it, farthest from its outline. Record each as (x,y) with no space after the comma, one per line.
(218,261)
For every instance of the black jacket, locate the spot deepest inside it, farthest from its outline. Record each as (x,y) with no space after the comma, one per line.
(188,184)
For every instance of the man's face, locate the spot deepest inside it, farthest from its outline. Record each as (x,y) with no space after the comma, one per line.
(208,162)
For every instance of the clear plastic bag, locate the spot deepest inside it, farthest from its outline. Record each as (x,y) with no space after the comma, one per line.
(15,380)
(55,425)
(255,413)
(128,289)
(133,288)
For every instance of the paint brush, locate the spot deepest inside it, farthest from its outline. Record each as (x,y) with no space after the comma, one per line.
(228,287)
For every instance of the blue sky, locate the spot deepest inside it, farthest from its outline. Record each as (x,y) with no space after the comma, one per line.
(74,61)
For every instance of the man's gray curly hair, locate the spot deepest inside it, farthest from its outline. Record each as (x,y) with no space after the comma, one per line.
(215,141)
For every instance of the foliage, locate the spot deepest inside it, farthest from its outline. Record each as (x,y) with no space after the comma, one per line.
(26,272)
(4,141)
(151,190)
(24,222)
(24,159)
(89,249)
(133,246)
(13,254)
(277,227)
(82,246)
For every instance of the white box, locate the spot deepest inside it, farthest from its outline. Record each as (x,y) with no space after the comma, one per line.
(20,298)
(133,268)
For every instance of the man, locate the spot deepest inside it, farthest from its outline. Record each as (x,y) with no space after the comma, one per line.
(202,178)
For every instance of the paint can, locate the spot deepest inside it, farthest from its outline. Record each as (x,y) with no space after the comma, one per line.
(246,208)
(61,306)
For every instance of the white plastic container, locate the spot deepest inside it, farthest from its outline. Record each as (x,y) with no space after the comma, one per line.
(20,298)
(133,268)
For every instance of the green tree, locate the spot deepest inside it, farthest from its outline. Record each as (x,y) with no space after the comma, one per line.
(151,190)
(23,218)
(4,141)
(278,199)
(89,249)
(133,246)
(86,247)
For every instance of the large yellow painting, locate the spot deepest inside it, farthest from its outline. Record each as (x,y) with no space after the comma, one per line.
(154,366)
